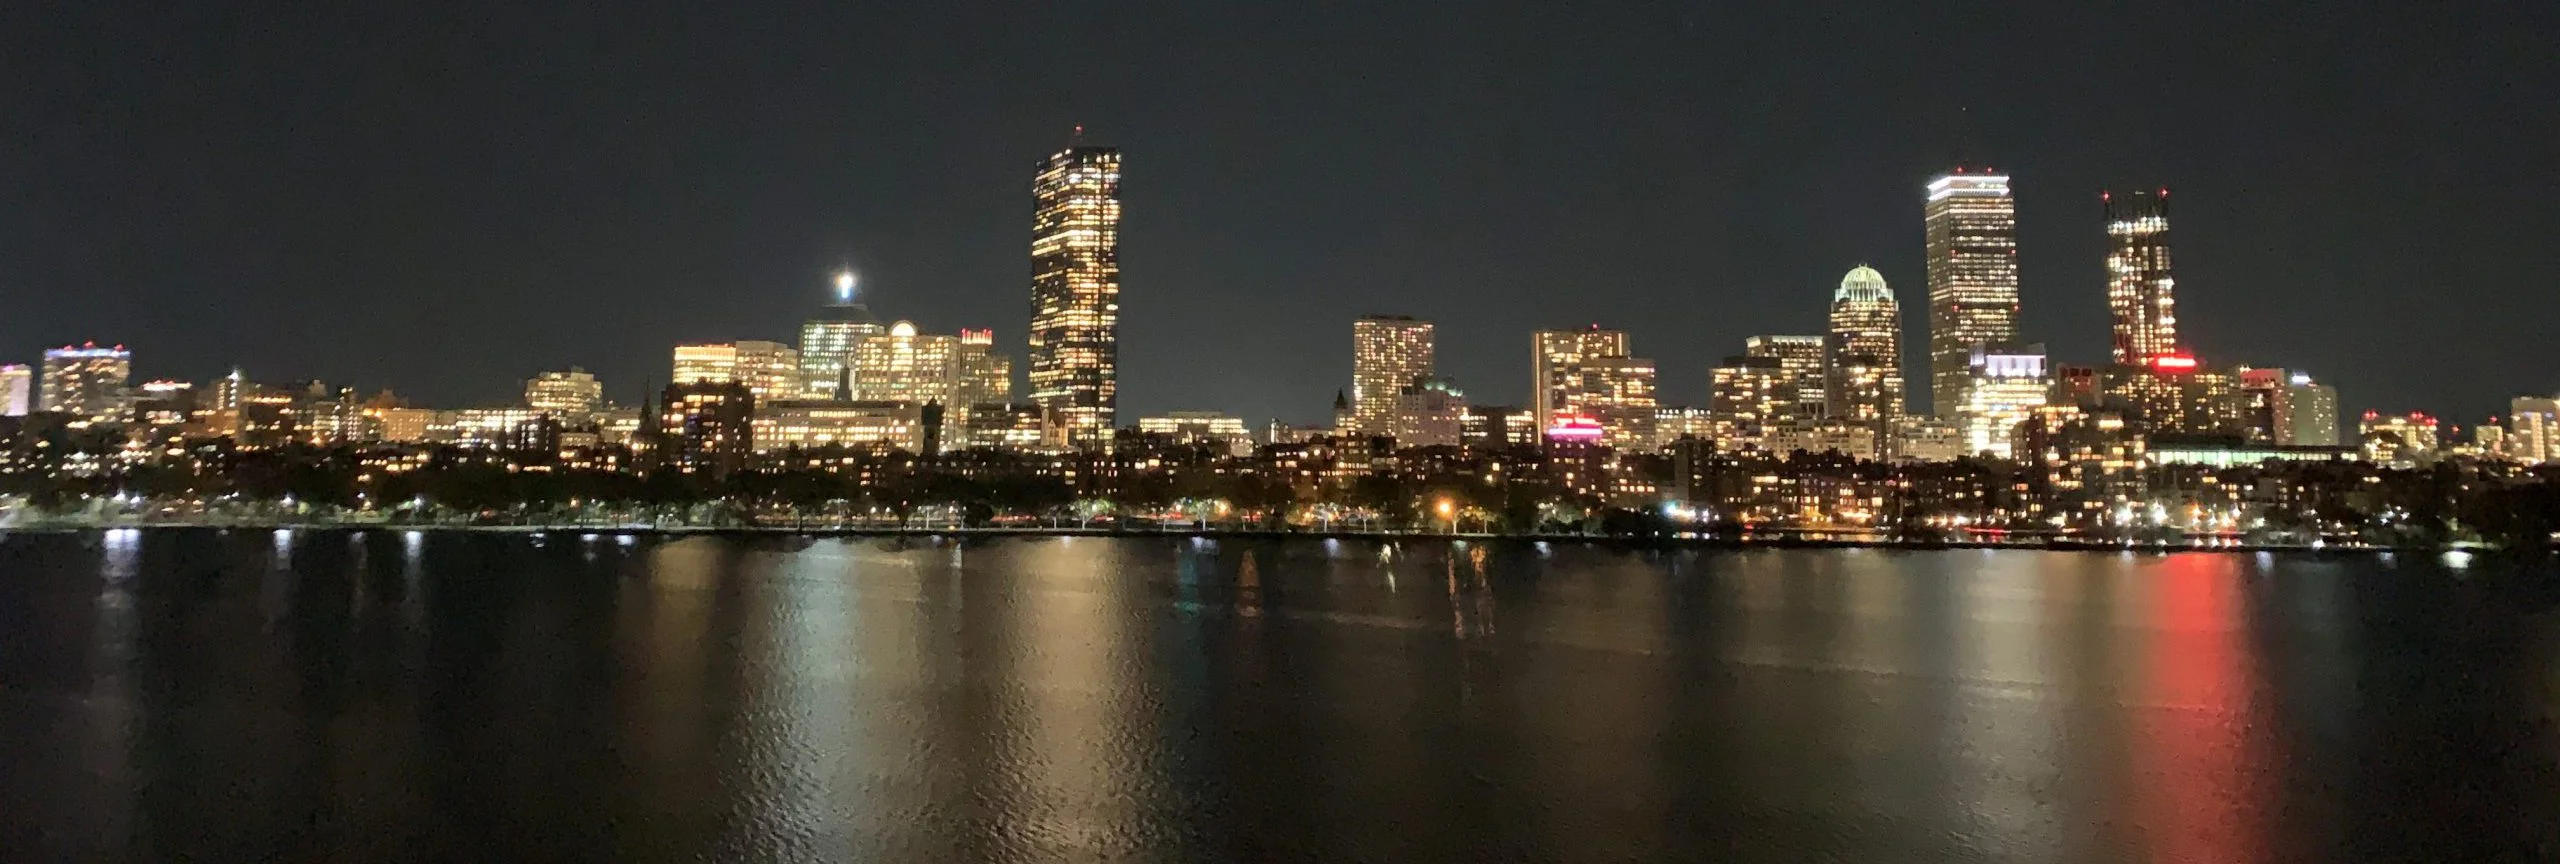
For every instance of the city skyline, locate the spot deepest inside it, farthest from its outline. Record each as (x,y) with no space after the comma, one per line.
(1258,226)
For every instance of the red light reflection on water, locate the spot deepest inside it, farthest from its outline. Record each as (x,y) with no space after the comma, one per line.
(2199,753)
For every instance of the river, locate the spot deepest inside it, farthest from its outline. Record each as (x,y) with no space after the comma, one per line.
(391,696)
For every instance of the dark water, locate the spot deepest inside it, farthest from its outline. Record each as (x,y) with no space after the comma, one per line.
(388,696)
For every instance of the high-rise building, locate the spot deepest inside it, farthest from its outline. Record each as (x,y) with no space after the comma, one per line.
(2306,413)
(1746,401)
(1864,352)
(2398,440)
(1972,246)
(707,427)
(2533,429)
(1618,392)
(985,374)
(2140,291)
(2007,384)
(573,395)
(1075,292)
(770,370)
(1802,359)
(827,341)
(1388,353)
(17,390)
(1429,412)
(86,382)
(907,366)
(1586,374)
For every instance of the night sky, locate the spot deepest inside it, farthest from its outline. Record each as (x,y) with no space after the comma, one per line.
(445,198)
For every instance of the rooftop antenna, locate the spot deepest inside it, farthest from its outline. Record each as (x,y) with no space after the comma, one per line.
(1076,138)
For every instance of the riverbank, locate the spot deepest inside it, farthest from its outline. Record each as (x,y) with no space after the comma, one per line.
(937,533)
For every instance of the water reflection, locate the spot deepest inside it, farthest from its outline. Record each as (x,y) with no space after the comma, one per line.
(311,696)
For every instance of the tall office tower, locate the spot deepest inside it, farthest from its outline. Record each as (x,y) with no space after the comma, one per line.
(826,342)
(1972,244)
(2306,413)
(771,370)
(1075,291)
(986,375)
(1802,358)
(17,390)
(228,390)
(2008,384)
(1746,401)
(2534,426)
(1866,336)
(1555,365)
(2261,395)
(86,382)
(574,395)
(2140,291)
(1388,352)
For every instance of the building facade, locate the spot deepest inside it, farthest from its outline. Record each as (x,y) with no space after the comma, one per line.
(1971,234)
(706,427)
(574,394)
(1075,292)
(2141,293)
(2533,422)
(1556,358)
(1388,354)
(87,382)
(1802,358)
(17,390)
(770,370)
(2006,385)
(827,341)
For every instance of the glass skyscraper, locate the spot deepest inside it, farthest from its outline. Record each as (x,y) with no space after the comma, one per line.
(1075,292)
(1972,244)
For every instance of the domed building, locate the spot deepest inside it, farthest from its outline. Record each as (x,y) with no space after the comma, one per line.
(1865,347)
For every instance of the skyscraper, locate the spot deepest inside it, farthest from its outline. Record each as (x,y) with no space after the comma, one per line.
(2535,424)
(1864,387)
(827,341)
(17,390)
(2140,291)
(1555,361)
(1803,359)
(86,382)
(1388,353)
(2308,413)
(1971,229)
(1075,291)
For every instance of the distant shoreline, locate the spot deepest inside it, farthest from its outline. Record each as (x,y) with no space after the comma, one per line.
(983,533)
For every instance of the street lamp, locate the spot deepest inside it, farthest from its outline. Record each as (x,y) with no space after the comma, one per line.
(1449,511)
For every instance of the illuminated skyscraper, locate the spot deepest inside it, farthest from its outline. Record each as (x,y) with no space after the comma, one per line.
(2307,413)
(1388,352)
(1802,358)
(573,395)
(1865,356)
(826,342)
(986,376)
(86,382)
(907,366)
(1972,245)
(1746,401)
(1075,292)
(2535,424)
(2140,291)
(1554,362)
(17,390)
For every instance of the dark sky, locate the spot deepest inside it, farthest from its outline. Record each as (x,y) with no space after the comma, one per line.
(444,198)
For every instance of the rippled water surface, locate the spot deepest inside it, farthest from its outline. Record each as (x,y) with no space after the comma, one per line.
(387,696)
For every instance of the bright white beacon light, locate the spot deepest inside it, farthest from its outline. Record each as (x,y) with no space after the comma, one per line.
(844,286)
